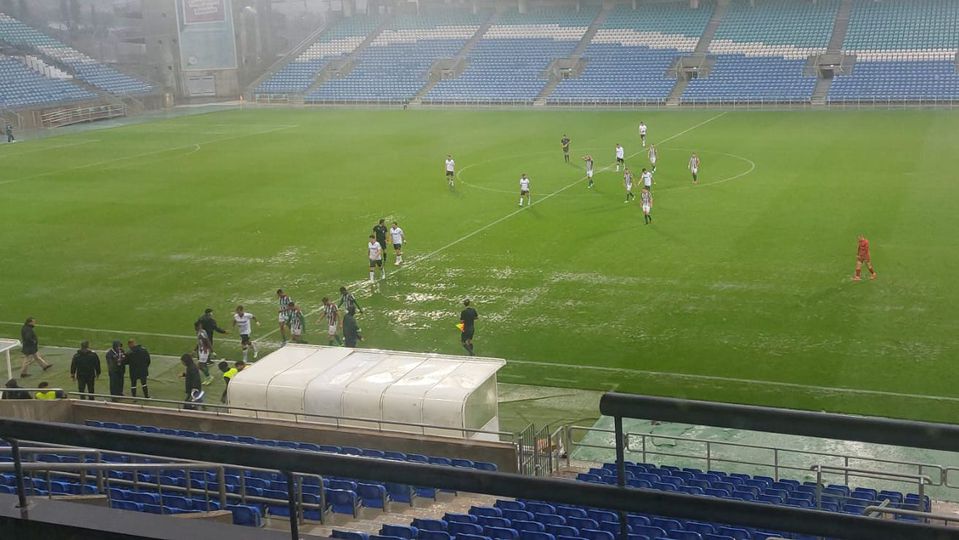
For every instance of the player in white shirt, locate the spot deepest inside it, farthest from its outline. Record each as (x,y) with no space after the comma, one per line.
(647,179)
(589,170)
(376,258)
(694,167)
(620,157)
(524,189)
(628,181)
(398,239)
(647,200)
(652,156)
(642,132)
(241,321)
(450,169)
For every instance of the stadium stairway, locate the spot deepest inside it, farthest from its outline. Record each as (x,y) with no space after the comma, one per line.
(701,48)
(250,94)
(343,67)
(461,55)
(839,28)
(577,52)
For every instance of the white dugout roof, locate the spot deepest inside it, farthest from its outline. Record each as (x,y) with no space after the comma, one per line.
(368,388)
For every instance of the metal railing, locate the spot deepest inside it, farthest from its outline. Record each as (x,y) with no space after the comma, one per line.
(935,475)
(921,481)
(925,517)
(104,482)
(669,504)
(381,426)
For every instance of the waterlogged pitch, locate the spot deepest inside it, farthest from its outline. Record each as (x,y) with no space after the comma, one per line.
(739,290)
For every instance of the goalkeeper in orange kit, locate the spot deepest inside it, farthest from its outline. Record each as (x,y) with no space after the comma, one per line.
(862,257)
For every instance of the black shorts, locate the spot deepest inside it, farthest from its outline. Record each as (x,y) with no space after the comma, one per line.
(524,192)
(244,339)
(466,335)
(449,173)
(376,262)
(565,150)
(397,246)
(619,160)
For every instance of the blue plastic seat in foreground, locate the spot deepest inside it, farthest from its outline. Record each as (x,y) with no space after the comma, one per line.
(399,530)
(501,533)
(349,535)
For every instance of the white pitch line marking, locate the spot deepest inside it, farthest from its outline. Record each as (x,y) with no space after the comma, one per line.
(46,148)
(141,154)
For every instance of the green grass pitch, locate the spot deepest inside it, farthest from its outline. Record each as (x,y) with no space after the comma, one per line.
(739,291)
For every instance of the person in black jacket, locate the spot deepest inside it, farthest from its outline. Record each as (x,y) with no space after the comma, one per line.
(14,394)
(85,369)
(30,347)
(351,330)
(208,323)
(191,377)
(138,359)
(116,367)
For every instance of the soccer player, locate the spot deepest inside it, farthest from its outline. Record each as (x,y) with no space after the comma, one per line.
(332,317)
(647,179)
(647,200)
(241,321)
(642,132)
(468,326)
(450,169)
(376,258)
(565,142)
(10,137)
(297,322)
(523,189)
(283,316)
(620,157)
(694,167)
(203,349)
(380,231)
(652,156)
(350,300)
(628,181)
(398,238)
(589,170)
(862,257)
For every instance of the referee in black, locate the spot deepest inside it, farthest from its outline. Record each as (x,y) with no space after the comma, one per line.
(379,230)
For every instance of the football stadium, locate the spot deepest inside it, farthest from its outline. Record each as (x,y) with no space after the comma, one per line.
(479,270)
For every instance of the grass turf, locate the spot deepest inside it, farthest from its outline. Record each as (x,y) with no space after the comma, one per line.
(739,291)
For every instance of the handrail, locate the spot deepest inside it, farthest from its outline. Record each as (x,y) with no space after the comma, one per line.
(925,515)
(710,458)
(671,504)
(337,419)
(917,477)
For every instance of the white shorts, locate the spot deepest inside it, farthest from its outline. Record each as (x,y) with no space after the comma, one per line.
(695,170)
(629,187)
(296,331)
(204,356)
(331,329)
(589,173)
(648,185)
(652,160)
(281,318)
(645,208)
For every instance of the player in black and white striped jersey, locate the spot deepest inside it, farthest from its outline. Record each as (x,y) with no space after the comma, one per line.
(331,316)
(283,314)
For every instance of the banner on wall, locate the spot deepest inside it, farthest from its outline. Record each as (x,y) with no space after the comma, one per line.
(206,35)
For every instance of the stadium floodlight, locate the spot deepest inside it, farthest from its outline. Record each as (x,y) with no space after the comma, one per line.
(7,345)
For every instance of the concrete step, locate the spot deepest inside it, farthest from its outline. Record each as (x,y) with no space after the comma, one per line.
(463,52)
(706,38)
(577,52)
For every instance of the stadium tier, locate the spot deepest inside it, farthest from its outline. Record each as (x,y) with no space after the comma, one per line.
(83,67)
(905,51)
(342,38)
(508,64)
(627,58)
(22,87)
(913,25)
(396,64)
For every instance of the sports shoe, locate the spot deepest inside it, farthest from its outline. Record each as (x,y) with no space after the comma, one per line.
(48,366)
(856,278)
(208,381)
(255,354)
(872,276)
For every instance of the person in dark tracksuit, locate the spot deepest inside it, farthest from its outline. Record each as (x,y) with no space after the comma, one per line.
(9,131)
(85,369)
(191,376)
(351,330)
(138,359)
(208,323)
(116,368)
